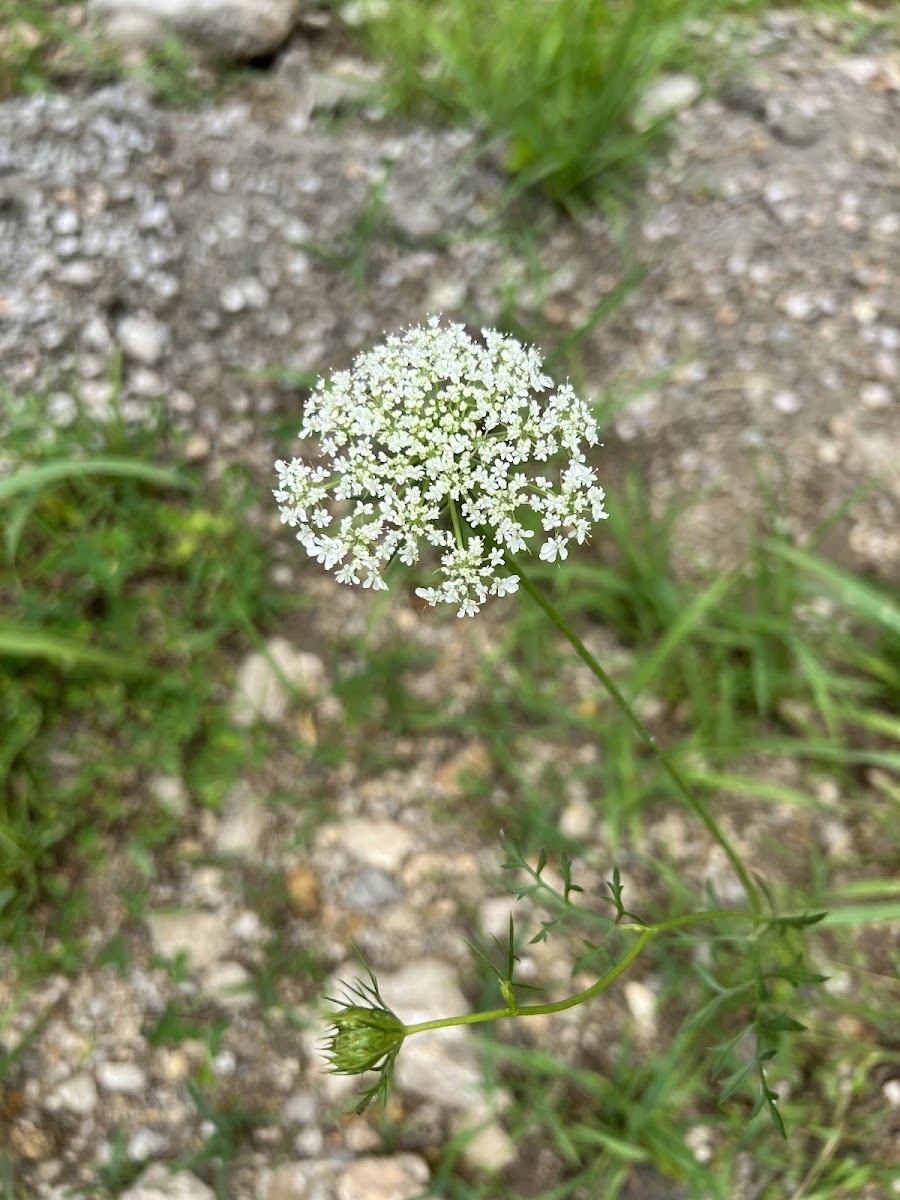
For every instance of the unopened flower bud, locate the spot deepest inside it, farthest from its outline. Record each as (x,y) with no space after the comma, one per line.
(364,1037)
(361,1038)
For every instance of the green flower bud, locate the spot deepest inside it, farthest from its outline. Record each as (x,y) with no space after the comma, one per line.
(361,1038)
(364,1037)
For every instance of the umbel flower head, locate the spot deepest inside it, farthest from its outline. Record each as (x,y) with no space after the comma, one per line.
(435,439)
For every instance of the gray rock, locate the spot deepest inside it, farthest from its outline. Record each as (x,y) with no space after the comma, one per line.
(578,819)
(298,1181)
(426,988)
(494,913)
(309,1143)
(346,81)
(232,298)
(204,937)
(787,402)
(489,1148)
(859,68)
(799,305)
(371,890)
(876,395)
(382,844)
(642,1003)
(197,447)
(231,29)
(741,95)
(301,1108)
(418,221)
(95,335)
(66,222)
(793,127)
(441,1065)
(146,383)
(79,274)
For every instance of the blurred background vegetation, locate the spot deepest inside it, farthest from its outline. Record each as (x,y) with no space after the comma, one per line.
(129,588)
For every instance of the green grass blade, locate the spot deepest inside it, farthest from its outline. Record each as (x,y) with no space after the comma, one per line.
(30,479)
(859,889)
(744,785)
(862,914)
(613,1145)
(678,633)
(864,600)
(873,720)
(20,641)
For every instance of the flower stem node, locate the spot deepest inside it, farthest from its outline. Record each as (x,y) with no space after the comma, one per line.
(436,440)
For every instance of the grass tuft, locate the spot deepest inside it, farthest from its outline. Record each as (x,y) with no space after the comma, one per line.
(120,605)
(556,83)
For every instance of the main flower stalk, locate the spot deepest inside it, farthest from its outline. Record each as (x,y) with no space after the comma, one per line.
(690,797)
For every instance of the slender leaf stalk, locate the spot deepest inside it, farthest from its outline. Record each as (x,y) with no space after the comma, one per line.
(646,935)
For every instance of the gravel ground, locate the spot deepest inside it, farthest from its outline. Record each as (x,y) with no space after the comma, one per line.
(208,247)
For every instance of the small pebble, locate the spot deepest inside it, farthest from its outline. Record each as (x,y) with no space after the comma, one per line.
(232,298)
(124,1077)
(876,395)
(865,309)
(145,1143)
(66,222)
(197,447)
(799,306)
(78,274)
(143,338)
(78,1094)
(787,402)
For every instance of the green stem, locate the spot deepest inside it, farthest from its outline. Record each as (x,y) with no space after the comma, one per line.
(457,528)
(691,799)
(647,934)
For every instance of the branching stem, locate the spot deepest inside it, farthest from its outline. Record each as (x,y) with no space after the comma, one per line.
(646,935)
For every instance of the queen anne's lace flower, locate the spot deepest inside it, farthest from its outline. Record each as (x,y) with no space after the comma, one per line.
(434,438)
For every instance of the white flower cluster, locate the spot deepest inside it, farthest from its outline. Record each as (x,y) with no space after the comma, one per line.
(433,437)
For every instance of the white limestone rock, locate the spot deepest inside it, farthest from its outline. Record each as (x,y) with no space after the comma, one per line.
(77,1094)
(159,1183)
(398,1177)
(243,822)
(668,95)
(261,690)
(235,30)
(124,1077)
(204,936)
